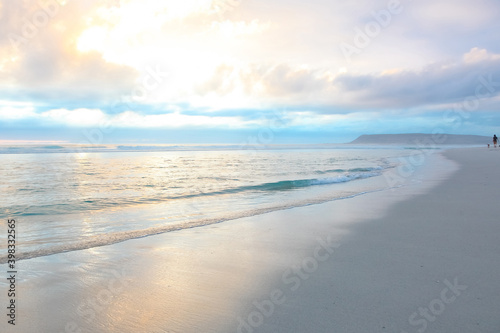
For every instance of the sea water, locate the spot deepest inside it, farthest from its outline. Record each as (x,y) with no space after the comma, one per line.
(66,199)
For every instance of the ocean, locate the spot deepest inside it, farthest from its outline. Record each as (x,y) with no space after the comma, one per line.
(65,199)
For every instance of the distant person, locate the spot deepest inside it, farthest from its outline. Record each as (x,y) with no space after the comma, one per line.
(495,139)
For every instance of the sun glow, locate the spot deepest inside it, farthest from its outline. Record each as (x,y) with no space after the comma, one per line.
(128,23)
(94,38)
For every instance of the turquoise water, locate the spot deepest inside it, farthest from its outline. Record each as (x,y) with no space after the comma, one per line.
(66,201)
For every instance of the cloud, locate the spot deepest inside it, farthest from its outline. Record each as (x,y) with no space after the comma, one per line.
(230,29)
(435,84)
(42,60)
(137,27)
(175,120)
(476,55)
(269,84)
(96,118)
(74,118)
(8,113)
(224,63)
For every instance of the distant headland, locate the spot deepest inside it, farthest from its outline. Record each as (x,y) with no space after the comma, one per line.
(421,138)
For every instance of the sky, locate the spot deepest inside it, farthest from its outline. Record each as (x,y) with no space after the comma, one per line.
(235,71)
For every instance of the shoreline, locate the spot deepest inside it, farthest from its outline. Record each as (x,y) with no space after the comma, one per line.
(366,264)
(345,184)
(428,264)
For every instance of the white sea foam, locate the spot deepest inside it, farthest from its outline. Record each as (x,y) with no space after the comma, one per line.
(116,237)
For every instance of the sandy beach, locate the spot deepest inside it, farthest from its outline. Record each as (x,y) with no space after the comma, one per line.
(417,258)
